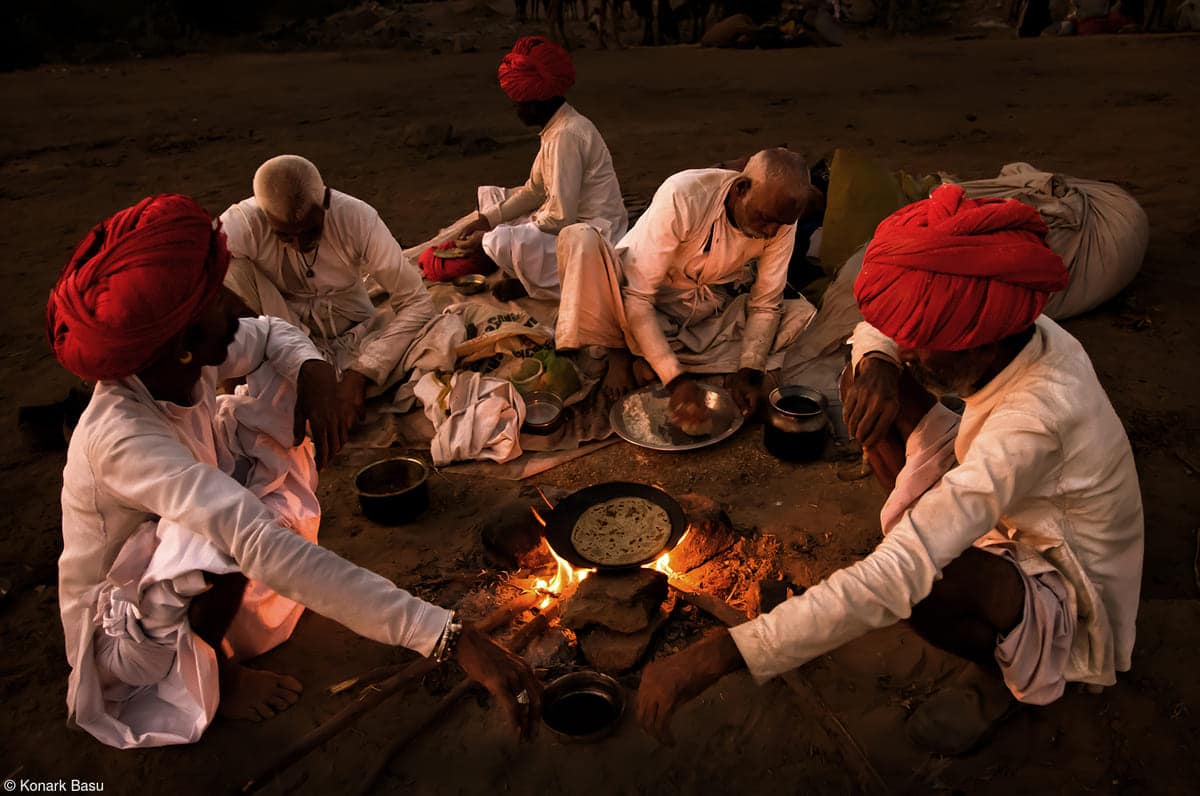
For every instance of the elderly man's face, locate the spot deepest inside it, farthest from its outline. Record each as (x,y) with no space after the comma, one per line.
(211,334)
(302,235)
(760,211)
(948,372)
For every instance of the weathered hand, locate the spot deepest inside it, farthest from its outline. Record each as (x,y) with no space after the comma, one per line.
(504,675)
(872,401)
(351,396)
(317,408)
(671,682)
(687,403)
(746,388)
(470,243)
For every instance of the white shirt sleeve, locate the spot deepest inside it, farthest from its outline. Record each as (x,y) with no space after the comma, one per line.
(157,474)
(265,339)
(562,167)
(1012,454)
(523,200)
(766,300)
(380,352)
(866,340)
(649,251)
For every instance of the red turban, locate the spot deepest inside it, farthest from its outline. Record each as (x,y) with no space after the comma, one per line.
(137,280)
(950,273)
(536,69)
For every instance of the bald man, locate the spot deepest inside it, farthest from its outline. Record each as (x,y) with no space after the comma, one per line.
(696,287)
(299,251)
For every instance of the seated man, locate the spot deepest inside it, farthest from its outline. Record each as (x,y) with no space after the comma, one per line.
(664,290)
(572,179)
(189,521)
(1013,536)
(300,251)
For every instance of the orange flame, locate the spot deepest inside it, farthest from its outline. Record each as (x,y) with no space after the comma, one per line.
(565,576)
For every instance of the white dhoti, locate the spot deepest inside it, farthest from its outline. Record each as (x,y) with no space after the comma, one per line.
(144,678)
(705,327)
(1034,656)
(520,249)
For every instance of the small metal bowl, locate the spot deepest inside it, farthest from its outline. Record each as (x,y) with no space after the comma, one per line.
(393,491)
(544,413)
(583,707)
(470,284)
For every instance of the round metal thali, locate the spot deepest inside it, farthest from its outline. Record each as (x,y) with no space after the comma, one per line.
(643,418)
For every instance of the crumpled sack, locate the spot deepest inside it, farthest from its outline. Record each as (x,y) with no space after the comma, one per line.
(494,333)
(473,416)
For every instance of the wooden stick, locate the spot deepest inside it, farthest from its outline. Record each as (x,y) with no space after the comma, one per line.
(517,644)
(729,616)
(373,696)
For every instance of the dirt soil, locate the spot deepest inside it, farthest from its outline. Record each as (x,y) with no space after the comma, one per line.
(81,142)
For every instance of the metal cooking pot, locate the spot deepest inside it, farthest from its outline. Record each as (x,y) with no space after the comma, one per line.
(393,491)
(796,425)
(583,706)
(567,512)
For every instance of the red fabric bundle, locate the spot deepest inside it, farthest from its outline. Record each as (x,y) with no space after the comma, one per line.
(137,280)
(536,69)
(438,269)
(950,273)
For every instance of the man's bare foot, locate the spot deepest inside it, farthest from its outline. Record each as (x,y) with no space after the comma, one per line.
(618,379)
(254,694)
(509,290)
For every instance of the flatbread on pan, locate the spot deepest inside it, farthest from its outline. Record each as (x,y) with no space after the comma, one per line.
(621,531)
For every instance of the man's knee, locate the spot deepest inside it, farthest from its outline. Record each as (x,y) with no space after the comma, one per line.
(980,584)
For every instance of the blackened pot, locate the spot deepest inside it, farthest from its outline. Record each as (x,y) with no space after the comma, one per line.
(796,426)
(393,491)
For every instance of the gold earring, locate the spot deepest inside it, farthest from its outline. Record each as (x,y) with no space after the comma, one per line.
(185,358)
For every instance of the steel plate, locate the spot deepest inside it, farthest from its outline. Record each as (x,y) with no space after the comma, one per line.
(643,418)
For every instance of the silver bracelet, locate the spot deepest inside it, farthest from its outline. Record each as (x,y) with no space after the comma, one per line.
(448,641)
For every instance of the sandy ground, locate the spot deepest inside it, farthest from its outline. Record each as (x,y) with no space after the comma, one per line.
(80,142)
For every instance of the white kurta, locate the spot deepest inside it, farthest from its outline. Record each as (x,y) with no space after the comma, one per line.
(673,267)
(572,181)
(134,460)
(333,305)
(1044,462)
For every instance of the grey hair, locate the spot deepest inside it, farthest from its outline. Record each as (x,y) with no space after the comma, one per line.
(287,187)
(779,165)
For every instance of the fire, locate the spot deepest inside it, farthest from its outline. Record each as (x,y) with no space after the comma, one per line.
(663,563)
(565,576)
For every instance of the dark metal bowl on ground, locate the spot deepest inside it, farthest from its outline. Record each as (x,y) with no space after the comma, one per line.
(583,706)
(469,284)
(544,413)
(393,491)
(796,426)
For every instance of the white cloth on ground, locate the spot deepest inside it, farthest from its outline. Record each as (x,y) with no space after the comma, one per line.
(133,459)
(333,306)
(1042,455)
(662,290)
(473,416)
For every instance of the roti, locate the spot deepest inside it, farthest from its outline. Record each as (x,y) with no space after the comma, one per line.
(621,531)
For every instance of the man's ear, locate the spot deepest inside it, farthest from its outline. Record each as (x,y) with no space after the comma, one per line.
(742,187)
